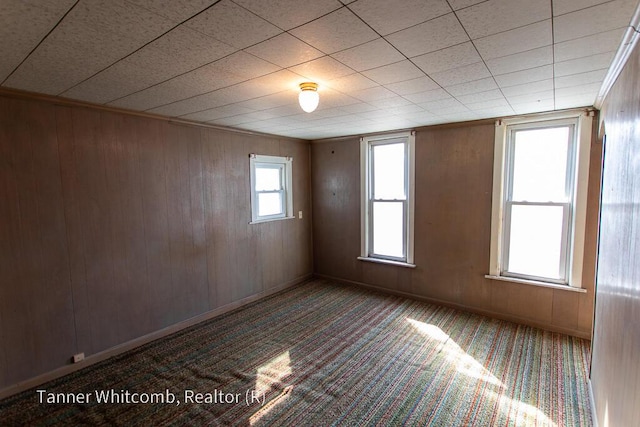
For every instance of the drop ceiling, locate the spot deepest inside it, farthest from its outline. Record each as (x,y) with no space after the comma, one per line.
(380,64)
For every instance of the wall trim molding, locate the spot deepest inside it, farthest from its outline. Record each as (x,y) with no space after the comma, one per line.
(488,313)
(145,339)
(628,42)
(67,102)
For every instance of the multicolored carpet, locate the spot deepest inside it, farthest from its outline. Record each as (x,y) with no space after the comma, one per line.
(324,354)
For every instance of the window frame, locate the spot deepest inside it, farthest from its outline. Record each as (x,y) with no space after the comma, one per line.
(577,182)
(285,166)
(367,200)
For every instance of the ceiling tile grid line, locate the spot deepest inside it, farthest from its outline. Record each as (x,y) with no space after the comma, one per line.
(132,53)
(379,64)
(38,40)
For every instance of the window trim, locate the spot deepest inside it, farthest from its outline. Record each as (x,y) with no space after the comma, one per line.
(580,171)
(285,165)
(365,206)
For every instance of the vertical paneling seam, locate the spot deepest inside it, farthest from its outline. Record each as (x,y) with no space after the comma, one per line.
(66,224)
(204,216)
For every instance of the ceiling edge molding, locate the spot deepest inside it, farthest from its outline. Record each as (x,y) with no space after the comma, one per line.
(20,94)
(629,41)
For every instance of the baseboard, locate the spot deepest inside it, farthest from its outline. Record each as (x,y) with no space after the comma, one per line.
(137,342)
(488,313)
(592,402)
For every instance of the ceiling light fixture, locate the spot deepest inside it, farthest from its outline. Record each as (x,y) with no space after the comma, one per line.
(308,97)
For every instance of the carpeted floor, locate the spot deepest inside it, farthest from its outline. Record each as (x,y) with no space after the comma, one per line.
(325,354)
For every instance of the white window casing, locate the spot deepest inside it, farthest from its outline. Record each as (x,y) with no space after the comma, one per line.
(369,200)
(573,210)
(271,188)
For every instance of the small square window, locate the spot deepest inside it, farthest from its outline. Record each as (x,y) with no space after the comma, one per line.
(271,195)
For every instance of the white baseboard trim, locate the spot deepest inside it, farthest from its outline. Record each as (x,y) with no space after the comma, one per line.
(137,342)
(488,313)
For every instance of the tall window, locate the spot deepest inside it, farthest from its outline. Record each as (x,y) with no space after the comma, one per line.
(387,203)
(538,201)
(271,193)
(538,228)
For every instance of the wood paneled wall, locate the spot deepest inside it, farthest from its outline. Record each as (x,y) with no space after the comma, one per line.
(115,226)
(615,366)
(454,173)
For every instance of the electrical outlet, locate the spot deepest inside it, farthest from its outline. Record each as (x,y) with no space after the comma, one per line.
(78,357)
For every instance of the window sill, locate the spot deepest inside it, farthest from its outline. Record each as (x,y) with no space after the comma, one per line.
(387,261)
(536,283)
(260,221)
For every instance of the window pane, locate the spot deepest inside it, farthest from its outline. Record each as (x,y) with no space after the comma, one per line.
(269,204)
(536,241)
(388,220)
(540,165)
(388,171)
(268,178)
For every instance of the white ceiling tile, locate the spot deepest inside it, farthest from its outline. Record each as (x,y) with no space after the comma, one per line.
(373,94)
(428,96)
(177,52)
(585,22)
(336,31)
(176,10)
(94,35)
(448,58)
(458,117)
(198,103)
(476,86)
(532,87)
(530,98)
(268,101)
(322,69)
(360,107)
(393,103)
(574,100)
(387,17)
(587,63)
(232,24)
(487,103)
(560,7)
(332,98)
(408,109)
(228,71)
(495,16)
(459,75)
(534,107)
(373,54)
(515,41)
(480,96)
(429,36)
(525,76)
(284,50)
(596,76)
(217,113)
(288,14)
(231,121)
(461,4)
(521,61)
(351,83)
(450,110)
(434,106)
(421,117)
(407,87)
(392,73)
(494,112)
(23,26)
(589,45)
